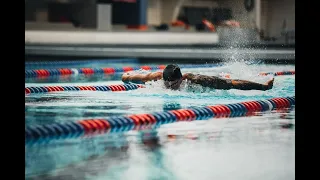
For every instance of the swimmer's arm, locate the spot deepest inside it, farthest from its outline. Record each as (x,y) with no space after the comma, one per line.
(141,77)
(216,82)
(154,76)
(188,76)
(136,78)
(203,80)
(249,85)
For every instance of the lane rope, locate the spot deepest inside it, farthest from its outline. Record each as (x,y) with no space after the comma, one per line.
(106,70)
(46,89)
(91,127)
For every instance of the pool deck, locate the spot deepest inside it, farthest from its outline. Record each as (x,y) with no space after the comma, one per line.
(166,45)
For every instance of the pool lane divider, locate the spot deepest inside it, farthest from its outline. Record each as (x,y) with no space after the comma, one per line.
(121,87)
(106,70)
(30,64)
(46,89)
(110,71)
(90,127)
(281,73)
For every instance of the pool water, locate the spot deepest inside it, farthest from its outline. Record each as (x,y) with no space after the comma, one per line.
(254,147)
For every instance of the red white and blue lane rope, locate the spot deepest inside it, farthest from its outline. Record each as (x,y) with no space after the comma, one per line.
(281,73)
(110,71)
(90,127)
(120,87)
(107,70)
(37,64)
(46,89)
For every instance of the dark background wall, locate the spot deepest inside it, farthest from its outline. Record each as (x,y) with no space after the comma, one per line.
(130,13)
(81,13)
(215,15)
(31,7)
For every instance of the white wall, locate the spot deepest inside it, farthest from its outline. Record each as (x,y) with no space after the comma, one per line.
(245,18)
(167,10)
(278,10)
(154,12)
(273,12)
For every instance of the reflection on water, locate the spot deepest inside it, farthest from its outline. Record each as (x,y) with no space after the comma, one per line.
(249,147)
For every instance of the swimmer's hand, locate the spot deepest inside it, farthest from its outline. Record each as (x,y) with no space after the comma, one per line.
(269,84)
(125,77)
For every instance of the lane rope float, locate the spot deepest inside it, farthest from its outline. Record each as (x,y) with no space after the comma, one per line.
(46,89)
(106,70)
(91,127)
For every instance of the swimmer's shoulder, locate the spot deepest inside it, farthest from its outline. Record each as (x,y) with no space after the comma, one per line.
(189,76)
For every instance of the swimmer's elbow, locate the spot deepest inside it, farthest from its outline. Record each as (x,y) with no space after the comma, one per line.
(124,78)
(188,76)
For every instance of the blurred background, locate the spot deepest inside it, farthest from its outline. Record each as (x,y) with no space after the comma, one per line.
(164,24)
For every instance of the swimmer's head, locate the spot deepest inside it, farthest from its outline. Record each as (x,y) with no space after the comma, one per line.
(172,77)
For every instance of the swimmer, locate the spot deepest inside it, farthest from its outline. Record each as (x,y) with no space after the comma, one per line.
(173,78)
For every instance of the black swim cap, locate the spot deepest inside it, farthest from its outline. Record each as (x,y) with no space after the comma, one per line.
(171,73)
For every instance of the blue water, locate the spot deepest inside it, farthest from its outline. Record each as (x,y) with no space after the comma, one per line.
(255,147)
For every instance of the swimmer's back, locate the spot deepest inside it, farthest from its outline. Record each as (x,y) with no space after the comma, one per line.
(209,81)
